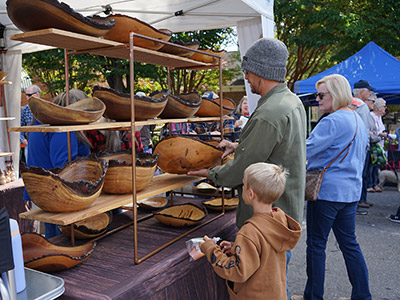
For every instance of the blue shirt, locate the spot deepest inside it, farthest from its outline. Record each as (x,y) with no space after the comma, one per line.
(26,120)
(342,181)
(50,150)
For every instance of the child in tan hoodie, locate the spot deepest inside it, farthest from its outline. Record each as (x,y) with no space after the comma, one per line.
(254,265)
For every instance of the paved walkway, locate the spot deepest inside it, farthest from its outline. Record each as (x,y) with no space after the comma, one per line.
(379,239)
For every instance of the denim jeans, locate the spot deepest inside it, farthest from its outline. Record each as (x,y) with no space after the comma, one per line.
(365,177)
(322,216)
(51,230)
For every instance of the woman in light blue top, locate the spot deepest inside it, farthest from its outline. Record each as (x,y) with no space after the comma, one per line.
(340,190)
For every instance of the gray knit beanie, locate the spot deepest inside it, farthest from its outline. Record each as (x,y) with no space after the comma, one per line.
(267,58)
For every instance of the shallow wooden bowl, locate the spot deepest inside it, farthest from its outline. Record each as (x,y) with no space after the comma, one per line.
(216,204)
(125,24)
(90,227)
(3,75)
(81,112)
(73,187)
(29,15)
(153,203)
(207,58)
(211,108)
(118,105)
(181,215)
(41,255)
(118,178)
(179,106)
(206,187)
(180,51)
(178,155)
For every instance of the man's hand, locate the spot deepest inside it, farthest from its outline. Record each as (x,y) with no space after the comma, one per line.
(228,147)
(199,173)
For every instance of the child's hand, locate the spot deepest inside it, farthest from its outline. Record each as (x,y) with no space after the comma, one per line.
(206,238)
(225,246)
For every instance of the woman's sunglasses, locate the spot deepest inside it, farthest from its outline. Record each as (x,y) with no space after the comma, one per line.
(321,95)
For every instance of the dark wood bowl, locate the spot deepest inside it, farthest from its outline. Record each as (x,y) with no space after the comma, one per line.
(180,51)
(179,106)
(125,24)
(81,112)
(211,108)
(216,204)
(41,255)
(73,187)
(118,178)
(181,215)
(179,155)
(29,15)
(207,58)
(118,105)
(90,227)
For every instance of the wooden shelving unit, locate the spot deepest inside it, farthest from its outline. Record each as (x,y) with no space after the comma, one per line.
(78,43)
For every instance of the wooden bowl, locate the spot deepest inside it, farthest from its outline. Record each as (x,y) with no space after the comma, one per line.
(180,51)
(118,105)
(125,24)
(41,255)
(207,58)
(181,215)
(211,108)
(90,227)
(206,187)
(178,155)
(153,203)
(179,106)
(216,204)
(118,178)
(73,187)
(29,15)
(3,75)
(81,112)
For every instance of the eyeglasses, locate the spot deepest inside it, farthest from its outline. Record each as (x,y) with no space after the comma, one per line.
(30,95)
(370,100)
(321,95)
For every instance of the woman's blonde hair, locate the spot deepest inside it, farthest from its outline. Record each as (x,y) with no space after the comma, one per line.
(266,180)
(339,88)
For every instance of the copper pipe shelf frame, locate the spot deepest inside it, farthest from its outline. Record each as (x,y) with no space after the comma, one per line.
(79,43)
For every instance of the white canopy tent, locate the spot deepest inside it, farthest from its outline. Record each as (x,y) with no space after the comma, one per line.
(253,19)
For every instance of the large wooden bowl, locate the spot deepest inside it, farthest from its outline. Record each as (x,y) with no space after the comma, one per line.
(118,178)
(179,155)
(211,108)
(179,106)
(29,15)
(180,51)
(125,24)
(216,204)
(73,187)
(90,227)
(118,105)
(207,58)
(181,215)
(81,112)
(41,255)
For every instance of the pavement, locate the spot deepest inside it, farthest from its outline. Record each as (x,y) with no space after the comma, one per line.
(379,239)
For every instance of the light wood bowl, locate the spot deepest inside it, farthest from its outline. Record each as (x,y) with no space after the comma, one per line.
(207,58)
(211,108)
(216,204)
(81,112)
(3,75)
(178,155)
(179,106)
(125,24)
(206,187)
(118,178)
(118,105)
(180,51)
(153,203)
(181,215)
(29,15)
(90,227)
(41,255)
(73,187)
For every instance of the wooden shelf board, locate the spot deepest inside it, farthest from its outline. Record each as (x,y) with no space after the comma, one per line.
(111,125)
(5,82)
(4,154)
(7,118)
(80,42)
(160,184)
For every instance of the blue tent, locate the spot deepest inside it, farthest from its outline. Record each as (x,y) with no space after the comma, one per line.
(371,63)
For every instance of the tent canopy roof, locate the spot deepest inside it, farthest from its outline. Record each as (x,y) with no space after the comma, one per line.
(371,63)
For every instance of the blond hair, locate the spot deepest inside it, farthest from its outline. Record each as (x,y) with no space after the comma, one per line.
(379,102)
(339,88)
(266,180)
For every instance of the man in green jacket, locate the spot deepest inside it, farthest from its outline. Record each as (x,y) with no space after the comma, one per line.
(275,132)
